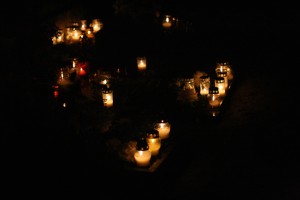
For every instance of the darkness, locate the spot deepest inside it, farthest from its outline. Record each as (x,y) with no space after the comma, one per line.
(250,151)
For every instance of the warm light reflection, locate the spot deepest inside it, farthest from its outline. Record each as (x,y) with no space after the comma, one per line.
(141,63)
(163,128)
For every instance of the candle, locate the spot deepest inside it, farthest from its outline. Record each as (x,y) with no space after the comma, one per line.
(142,155)
(220,83)
(141,63)
(55,92)
(76,34)
(96,25)
(204,85)
(153,141)
(107,96)
(82,72)
(83,25)
(167,22)
(63,78)
(214,103)
(163,128)
(213,97)
(142,158)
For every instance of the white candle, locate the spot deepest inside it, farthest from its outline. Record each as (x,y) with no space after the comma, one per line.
(164,129)
(141,63)
(220,84)
(203,91)
(213,97)
(167,22)
(204,85)
(107,96)
(154,145)
(142,158)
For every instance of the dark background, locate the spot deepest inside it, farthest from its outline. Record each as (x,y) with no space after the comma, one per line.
(251,152)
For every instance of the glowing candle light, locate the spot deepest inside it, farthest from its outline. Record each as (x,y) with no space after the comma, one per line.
(167,22)
(96,25)
(82,72)
(63,78)
(141,63)
(220,84)
(213,97)
(153,141)
(83,25)
(55,92)
(164,128)
(107,96)
(204,85)
(224,76)
(142,154)
(89,32)
(225,67)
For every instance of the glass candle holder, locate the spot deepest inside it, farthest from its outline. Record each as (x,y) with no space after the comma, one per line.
(107,97)
(63,77)
(167,22)
(214,101)
(96,25)
(220,84)
(154,141)
(204,85)
(226,67)
(213,97)
(223,75)
(142,155)
(163,127)
(141,63)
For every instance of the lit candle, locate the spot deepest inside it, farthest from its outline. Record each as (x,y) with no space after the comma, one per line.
(96,25)
(220,84)
(163,128)
(55,92)
(83,25)
(167,23)
(141,63)
(107,96)
(213,98)
(63,78)
(204,85)
(142,155)
(82,72)
(76,35)
(153,141)
(223,75)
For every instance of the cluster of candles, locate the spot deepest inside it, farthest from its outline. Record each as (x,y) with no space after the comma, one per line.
(213,88)
(75,32)
(79,69)
(149,146)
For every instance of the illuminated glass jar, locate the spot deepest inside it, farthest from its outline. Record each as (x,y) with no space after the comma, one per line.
(107,97)
(204,85)
(167,22)
(220,84)
(153,141)
(225,67)
(213,98)
(141,63)
(223,75)
(96,25)
(142,155)
(214,101)
(163,127)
